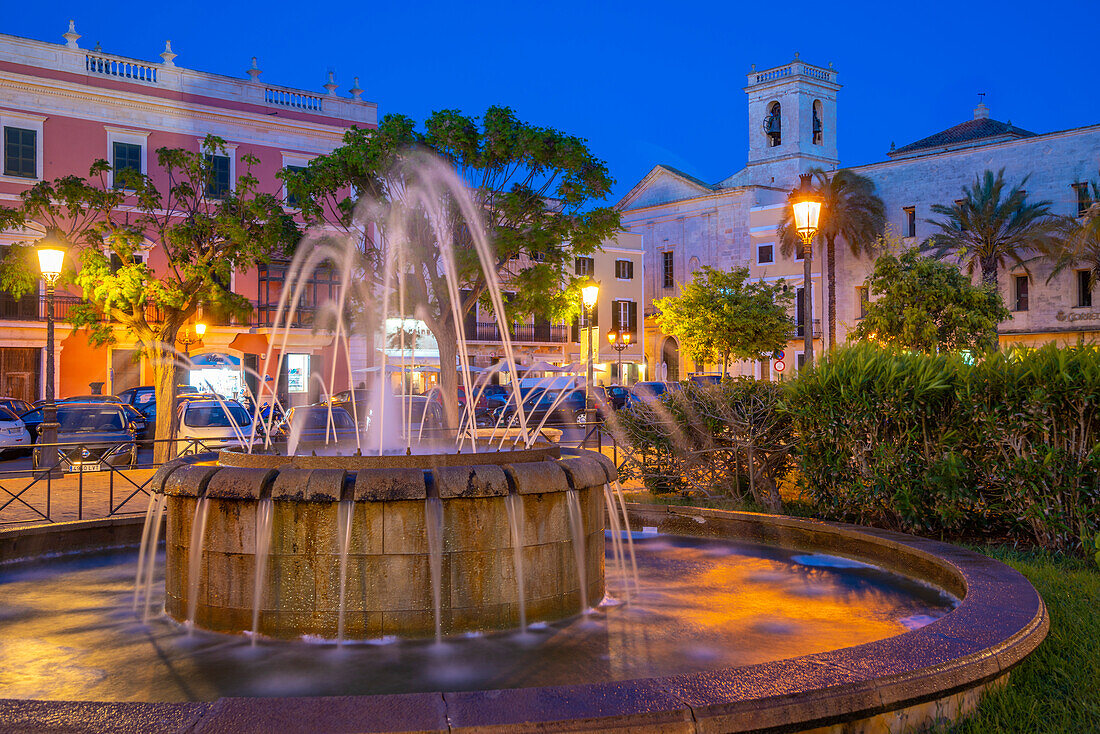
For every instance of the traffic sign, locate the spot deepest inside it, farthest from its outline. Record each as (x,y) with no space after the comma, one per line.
(779,366)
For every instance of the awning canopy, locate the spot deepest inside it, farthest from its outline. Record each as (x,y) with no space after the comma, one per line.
(250,343)
(215,359)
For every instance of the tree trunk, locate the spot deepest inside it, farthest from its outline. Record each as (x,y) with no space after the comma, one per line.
(165,369)
(808,307)
(830,256)
(989,271)
(447,338)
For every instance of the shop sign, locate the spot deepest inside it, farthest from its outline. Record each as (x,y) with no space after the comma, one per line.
(1073,316)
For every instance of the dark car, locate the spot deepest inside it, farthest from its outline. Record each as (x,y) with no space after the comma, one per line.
(646,392)
(569,410)
(310,423)
(706,378)
(97,434)
(15,405)
(90,399)
(615,396)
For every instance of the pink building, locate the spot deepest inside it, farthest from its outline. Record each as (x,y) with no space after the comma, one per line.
(62,107)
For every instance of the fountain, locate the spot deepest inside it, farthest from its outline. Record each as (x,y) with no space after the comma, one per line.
(362,547)
(482,580)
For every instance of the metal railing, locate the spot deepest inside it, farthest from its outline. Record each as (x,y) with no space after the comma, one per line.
(551,333)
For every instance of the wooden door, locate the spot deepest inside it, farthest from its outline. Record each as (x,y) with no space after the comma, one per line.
(125,370)
(19,372)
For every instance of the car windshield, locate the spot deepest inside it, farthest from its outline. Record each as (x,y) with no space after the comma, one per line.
(215,416)
(318,419)
(7,415)
(649,388)
(142,398)
(88,418)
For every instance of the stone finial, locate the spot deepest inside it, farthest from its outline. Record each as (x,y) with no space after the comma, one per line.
(98,49)
(356,92)
(331,84)
(167,54)
(981,112)
(796,56)
(71,36)
(752,67)
(892,146)
(254,71)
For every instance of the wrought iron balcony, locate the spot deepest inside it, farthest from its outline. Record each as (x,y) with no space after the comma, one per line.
(547,333)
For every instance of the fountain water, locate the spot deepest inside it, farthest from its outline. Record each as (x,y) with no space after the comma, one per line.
(616,540)
(514,504)
(157,519)
(194,558)
(433,526)
(576,527)
(265,513)
(345,511)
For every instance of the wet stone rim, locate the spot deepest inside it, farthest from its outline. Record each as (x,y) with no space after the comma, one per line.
(1000,620)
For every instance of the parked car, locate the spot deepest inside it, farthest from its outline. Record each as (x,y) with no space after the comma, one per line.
(615,396)
(646,392)
(14,436)
(706,378)
(569,411)
(211,425)
(15,405)
(90,399)
(310,423)
(100,433)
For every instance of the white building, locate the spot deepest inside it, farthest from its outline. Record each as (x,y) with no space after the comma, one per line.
(686,223)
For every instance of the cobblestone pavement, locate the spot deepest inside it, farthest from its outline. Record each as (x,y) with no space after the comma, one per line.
(25,500)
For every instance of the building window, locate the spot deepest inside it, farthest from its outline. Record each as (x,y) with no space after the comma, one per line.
(799,360)
(116,261)
(667,272)
(624,316)
(220,182)
(910,221)
(20,152)
(863,297)
(585,266)
(799,251)
(126,157)
(765,253)
(800,311)
(1021,283)
(1084,201)
(624,269)
(773,125)
(1084,289)
(291,199)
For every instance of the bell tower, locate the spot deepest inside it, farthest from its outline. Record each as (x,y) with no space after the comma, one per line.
(792,122)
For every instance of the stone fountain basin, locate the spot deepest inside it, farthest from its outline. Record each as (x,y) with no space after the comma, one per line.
(911,680)
(387,569)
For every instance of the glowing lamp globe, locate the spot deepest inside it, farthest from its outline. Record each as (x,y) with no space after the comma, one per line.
(806,205)
(200,329)
(589,294)
(51,256)
(611,337)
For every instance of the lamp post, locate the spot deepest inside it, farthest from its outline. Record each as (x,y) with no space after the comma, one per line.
(191,336)
(589,294)
(51,256)
(620,340)
(806,204)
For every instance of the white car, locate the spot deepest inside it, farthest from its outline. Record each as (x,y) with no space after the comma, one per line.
(205,425)
(14,436)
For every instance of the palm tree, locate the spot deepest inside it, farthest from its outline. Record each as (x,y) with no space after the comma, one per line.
(851,210)
(986,228)
(1080,245)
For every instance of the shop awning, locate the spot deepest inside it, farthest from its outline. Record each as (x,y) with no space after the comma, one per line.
(215,359)
(250,343)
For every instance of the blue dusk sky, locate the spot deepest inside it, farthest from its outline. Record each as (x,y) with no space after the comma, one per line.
(645,82)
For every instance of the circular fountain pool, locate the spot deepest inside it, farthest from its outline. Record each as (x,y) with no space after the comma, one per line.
(702,604)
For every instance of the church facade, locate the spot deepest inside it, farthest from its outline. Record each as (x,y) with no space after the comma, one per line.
(686,223)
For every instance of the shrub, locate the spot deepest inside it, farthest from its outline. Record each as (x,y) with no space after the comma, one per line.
(930,443)
(733,438)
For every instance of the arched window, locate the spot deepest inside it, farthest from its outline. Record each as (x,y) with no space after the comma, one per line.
(819,127)
(773,125)
(670,357)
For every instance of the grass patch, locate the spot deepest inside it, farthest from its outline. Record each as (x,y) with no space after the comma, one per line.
(1057,689)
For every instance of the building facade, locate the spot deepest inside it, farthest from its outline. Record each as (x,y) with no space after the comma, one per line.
(793,115)
(618,269)
(63,106)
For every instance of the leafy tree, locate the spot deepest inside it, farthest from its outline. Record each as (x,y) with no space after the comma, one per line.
(989,227)
(200,241)
(1080,244)
(851,210)
(929,306)
(534,187)
(721,314)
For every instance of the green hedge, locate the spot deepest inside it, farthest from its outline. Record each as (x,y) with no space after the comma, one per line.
(933,444)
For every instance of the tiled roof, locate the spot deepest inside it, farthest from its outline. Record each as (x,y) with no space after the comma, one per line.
(970,131)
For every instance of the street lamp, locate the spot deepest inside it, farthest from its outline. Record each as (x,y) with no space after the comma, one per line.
(589,294)
(620,340)
(51,256)
(806,204)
